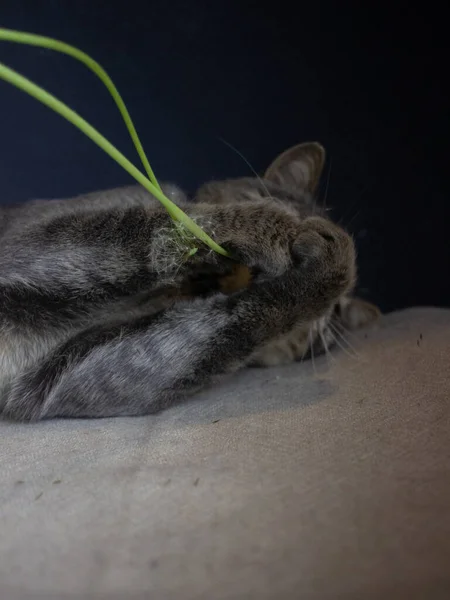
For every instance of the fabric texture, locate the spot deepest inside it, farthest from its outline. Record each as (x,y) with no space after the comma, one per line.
(314,481)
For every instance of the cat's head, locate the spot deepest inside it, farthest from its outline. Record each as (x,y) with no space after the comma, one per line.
(296,174)
(291,180)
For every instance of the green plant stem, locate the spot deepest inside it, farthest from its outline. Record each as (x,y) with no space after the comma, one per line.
(49,100)
(31,39)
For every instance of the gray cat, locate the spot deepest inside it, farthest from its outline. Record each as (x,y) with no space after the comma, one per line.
(102,313)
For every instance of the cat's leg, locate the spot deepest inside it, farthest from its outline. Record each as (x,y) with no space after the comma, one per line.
(59,266)
(61,270)
(65,271)
(146,364)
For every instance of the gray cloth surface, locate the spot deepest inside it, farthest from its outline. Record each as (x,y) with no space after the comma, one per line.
(278,484)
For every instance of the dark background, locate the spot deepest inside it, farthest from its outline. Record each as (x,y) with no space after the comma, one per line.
(367,82)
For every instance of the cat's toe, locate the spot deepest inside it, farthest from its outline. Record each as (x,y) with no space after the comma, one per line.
(326,251)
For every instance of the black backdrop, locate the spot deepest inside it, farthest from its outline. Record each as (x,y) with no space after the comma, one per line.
(367,82)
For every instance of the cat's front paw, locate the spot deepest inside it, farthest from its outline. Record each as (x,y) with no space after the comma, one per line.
(325,253)
(266,245)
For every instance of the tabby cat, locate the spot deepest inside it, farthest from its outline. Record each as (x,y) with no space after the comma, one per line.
(102,313)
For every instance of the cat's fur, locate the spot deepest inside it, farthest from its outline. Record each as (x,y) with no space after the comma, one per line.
(102,315)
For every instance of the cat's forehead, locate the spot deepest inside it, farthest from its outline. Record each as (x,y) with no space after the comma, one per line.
(272,190)
(299,198)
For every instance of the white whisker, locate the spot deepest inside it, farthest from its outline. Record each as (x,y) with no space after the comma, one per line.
(344,333)
(341,346)
(261,181)
(345,329)
(335,332)
(325,345)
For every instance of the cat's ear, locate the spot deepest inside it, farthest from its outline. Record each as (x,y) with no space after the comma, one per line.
(355,313)
(298,167)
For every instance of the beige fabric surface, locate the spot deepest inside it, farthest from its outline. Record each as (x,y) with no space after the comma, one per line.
(280,484)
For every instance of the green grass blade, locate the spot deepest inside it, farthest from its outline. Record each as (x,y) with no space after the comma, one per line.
(31,39)
(52,102)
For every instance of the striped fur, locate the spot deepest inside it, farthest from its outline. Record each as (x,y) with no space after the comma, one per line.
(102,315)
